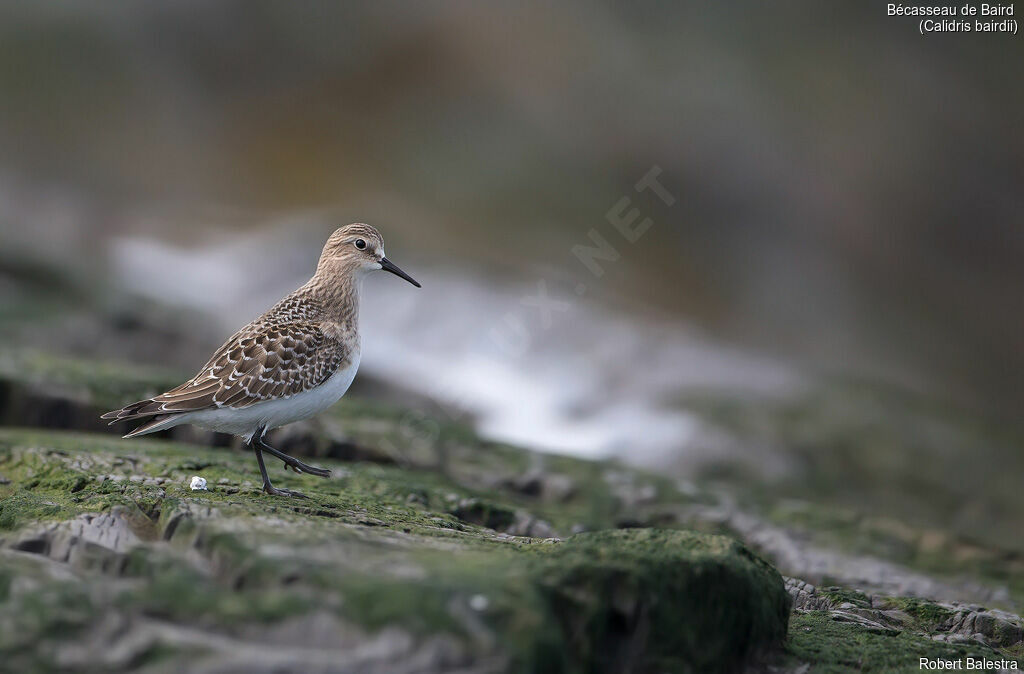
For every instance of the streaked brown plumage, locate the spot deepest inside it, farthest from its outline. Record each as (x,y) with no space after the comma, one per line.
(288,364)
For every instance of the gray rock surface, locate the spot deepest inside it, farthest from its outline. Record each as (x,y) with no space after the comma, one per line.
(991,627)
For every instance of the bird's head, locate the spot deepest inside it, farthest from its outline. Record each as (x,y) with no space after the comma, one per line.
(359,248)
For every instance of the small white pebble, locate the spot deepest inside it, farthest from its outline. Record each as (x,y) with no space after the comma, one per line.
(479,602)
(198,483)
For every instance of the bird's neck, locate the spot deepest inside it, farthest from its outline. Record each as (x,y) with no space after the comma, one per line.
(337,295)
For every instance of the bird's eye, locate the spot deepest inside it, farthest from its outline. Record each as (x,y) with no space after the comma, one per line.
(360,244)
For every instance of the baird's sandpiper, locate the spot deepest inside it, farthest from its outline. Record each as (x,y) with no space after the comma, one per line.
(291,363)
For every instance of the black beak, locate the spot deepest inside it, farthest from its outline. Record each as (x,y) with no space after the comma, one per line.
(388,265)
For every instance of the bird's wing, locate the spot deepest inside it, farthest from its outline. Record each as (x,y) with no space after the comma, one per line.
(274,361)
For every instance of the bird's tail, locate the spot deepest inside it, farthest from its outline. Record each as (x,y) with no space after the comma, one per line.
(142,410)
(158,423)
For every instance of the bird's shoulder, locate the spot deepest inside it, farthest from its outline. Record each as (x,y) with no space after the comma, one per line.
(299,306)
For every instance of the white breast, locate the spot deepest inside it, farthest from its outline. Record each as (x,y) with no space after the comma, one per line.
(273,413)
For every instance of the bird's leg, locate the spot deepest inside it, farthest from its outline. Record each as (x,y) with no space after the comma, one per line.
(296,465)
(267,487)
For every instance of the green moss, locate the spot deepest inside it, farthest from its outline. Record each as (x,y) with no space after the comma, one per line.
(485,513)
(56,607)
(50,480)
(675,600)
(841,595)
(832,646)
(420,606)
(23,506)
(178,593)
(662,600)
(65,467)
(8,517)
(703,602)
(927,614)
(411,548)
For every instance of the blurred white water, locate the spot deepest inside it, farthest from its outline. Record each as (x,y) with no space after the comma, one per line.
(577,378)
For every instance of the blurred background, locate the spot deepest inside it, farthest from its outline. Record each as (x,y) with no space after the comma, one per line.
(830,310)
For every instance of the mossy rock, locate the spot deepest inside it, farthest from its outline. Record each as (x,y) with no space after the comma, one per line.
(838,596)
(927,614)
(46,390)
(185,571)
(832,647)
(663,600)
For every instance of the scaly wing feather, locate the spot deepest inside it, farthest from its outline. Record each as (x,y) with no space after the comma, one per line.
(273,361)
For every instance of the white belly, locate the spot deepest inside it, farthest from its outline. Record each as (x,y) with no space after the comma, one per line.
(274,413)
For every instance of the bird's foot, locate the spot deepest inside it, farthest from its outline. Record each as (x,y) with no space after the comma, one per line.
(300,467)
(274,491)
(295,464)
